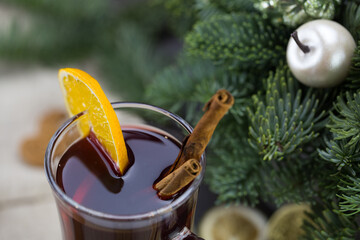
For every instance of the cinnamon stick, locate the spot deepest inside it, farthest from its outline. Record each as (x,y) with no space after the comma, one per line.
(178,179)
(197,141)
(195,144)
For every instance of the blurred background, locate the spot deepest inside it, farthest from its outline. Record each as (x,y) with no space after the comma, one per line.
(121,40)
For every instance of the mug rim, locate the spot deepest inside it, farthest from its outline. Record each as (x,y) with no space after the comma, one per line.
(179,201)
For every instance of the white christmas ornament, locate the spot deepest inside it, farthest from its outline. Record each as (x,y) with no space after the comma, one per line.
(319,53)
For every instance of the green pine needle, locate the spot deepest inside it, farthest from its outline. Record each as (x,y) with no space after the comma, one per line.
(207,9)
(353,79)
(283,120)
(350,197)
(328,223)
(351,18)
(238,41)
(233,6)
(346,158)
(233,173)
(346,123)
(190,84)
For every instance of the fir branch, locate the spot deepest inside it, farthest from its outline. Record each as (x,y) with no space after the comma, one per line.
(353,79)
(176,84)
(284,120)
(207,9)
(291,180)
(234,6)
(350,197)
(351,18)
(238,42)
(233,173)
(327,223)
(345,123)
(238,174)
(192,82)
(346,158)
(327,178)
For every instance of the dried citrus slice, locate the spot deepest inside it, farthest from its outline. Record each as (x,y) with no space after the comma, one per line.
(232,222)
(83,93)
(287,221)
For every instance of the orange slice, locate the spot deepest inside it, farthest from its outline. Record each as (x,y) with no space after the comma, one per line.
(83,93)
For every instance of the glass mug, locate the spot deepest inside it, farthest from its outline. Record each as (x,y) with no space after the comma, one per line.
(173,221)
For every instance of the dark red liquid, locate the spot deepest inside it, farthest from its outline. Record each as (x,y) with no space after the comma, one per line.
(87,174)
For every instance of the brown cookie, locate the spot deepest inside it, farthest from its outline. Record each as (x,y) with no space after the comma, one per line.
(33,148)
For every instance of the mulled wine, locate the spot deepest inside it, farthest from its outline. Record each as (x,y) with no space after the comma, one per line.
(87,174)
(95,202)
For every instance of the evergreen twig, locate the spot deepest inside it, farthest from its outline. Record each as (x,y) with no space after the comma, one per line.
(282,121)
(346,125)
(238,41)
(350,197)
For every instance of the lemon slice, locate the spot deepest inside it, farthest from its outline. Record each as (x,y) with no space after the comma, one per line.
(83,93)
(232,223)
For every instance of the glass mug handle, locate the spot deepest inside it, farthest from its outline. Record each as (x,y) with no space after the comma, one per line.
(186,234)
